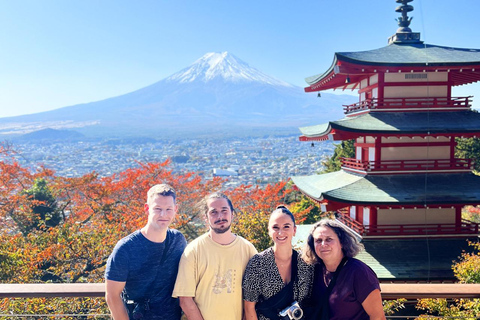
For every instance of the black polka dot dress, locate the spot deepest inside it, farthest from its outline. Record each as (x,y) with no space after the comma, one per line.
(262,279)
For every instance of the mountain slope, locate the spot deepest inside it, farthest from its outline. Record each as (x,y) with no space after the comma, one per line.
(218,92)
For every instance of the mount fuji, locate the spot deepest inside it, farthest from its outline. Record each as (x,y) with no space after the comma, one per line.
(217,94)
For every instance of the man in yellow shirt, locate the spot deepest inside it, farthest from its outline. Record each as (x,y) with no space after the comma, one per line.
(209,280)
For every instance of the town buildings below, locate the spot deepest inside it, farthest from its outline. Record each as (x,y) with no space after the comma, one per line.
(252,161)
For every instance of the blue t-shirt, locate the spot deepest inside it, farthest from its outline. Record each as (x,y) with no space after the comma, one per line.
(137,261)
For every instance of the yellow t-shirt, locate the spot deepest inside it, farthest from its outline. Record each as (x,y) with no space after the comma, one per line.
(212,274)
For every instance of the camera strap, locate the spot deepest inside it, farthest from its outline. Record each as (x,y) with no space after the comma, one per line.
(271,306)
(325,308)
(146,300)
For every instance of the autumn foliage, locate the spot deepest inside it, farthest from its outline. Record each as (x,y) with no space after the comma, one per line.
(62,230)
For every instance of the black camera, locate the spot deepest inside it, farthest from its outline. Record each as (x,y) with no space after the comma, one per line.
(292,312)
(140,310)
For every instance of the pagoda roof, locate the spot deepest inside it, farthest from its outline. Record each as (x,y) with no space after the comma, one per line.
(400,189)
(422,259)
(404,123)
(394,58)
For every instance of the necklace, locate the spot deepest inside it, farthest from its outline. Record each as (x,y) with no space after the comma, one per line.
(327,276)
(282,263)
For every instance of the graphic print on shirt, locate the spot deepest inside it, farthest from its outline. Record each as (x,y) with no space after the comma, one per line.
(224,281)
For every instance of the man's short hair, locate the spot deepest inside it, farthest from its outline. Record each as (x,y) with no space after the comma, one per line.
(216,195)
(161,190)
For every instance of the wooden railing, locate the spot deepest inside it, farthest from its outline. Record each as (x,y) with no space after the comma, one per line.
(408,165)
(389,290)
(409,103)
(353,224)
(465,227)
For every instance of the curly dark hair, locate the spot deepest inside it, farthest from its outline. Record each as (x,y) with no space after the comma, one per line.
(349,242)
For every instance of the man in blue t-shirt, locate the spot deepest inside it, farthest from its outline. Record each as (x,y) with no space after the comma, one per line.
(142,268)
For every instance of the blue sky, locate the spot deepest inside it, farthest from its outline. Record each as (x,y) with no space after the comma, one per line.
(56,53)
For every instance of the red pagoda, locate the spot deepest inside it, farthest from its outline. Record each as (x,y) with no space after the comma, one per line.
(404,191)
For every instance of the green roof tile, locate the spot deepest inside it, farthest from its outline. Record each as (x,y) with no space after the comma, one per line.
(413,259)
(402,122)
(400,189)
(411,54)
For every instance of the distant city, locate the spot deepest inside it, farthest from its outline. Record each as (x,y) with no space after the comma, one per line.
(255,161)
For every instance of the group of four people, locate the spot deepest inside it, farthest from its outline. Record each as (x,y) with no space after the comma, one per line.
(153,274)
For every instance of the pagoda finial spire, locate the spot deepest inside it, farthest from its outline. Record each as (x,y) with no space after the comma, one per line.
(404,20)
(404,34)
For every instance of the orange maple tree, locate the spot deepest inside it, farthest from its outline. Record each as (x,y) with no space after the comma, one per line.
(95,213)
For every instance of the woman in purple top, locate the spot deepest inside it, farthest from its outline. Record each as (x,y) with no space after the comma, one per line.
(343,287)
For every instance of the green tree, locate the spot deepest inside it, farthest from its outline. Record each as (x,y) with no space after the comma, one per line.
(42,211)
(467,270)
(469,148)
(345,149)
(307,209)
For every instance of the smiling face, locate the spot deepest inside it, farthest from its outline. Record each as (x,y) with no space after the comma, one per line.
(219,215)
(327,245)
(161,211)
(281,228)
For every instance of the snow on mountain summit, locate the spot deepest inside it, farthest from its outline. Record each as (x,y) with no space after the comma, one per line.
(223,65)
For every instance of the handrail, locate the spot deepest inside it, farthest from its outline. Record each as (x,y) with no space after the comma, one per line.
(409,103)
(410,164)
(34,290)
(344,218)
(389,290)
(419,229)
(465,227)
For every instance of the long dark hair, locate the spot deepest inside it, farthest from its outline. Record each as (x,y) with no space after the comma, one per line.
(281,208)
(349,242)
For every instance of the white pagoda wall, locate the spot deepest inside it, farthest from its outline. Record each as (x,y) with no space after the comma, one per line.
(417,91)
(418,216)
(415,152)
(416,77)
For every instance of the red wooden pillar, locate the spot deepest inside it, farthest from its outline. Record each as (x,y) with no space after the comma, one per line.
(360,214)
(373,217)
(458,218)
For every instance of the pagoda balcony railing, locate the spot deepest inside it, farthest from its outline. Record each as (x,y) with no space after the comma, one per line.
(353,224)
(465,227)
(409,103)
(408,165)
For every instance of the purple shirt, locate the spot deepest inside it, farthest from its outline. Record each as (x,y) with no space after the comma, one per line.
(354,283)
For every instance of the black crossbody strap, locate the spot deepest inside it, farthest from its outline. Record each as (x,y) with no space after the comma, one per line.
(325,311)
(164,257)
(164,254)
(271,306)
(162,260)
(294,276)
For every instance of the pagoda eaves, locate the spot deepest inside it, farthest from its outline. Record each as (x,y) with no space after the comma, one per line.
(403,189)
(456,124)
(349,68)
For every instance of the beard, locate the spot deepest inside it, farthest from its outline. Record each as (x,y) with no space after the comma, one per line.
(220,230)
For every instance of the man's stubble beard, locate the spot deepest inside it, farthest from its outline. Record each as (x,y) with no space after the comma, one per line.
(220,230)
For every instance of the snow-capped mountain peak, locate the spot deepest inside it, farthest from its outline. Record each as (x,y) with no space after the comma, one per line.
(224,65)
